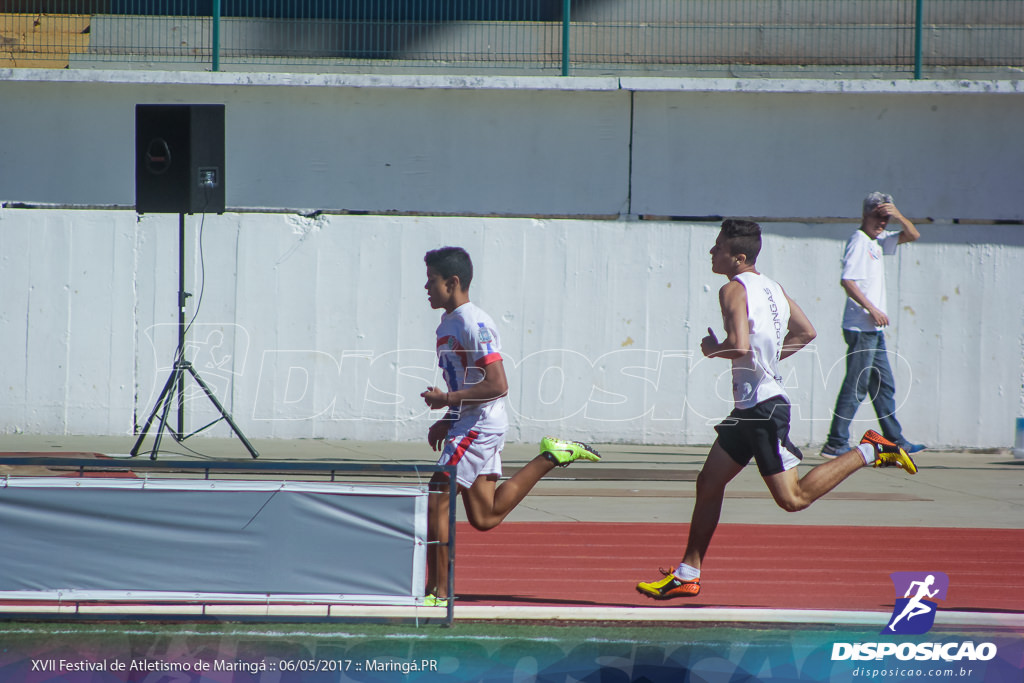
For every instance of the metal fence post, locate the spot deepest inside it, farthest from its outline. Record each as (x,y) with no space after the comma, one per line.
(453,488)
(565,36)
(216,35)
(918,34)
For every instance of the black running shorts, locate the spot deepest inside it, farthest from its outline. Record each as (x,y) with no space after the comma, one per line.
(762,433)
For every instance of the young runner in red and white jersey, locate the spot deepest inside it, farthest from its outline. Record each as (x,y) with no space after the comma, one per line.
(472,432)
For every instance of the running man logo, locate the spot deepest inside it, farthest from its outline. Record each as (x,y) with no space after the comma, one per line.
(914,613)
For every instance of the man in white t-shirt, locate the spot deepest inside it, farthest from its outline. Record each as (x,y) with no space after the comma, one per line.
(867,366)
(471,434)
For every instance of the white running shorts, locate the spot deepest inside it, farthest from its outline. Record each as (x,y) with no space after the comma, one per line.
(474,454)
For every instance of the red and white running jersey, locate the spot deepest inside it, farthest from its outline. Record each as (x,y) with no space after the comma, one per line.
(467,341)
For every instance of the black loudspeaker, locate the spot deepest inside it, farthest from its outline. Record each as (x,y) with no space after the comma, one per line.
(179,158)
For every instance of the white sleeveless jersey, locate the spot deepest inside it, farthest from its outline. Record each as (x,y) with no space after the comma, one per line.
(467,341)
(755,376)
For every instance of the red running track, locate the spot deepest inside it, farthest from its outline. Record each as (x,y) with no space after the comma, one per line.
(748,565)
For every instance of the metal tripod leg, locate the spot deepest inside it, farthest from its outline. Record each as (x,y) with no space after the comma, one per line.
(224,413)
(164,401)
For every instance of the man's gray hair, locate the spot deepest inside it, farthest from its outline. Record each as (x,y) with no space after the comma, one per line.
(873,200)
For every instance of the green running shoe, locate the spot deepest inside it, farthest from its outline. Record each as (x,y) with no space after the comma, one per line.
(434,601)
(564,452)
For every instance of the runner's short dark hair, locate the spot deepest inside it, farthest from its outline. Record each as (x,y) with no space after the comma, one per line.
(743,237)
(449,261)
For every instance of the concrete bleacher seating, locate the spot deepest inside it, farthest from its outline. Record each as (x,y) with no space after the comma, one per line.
(42,40)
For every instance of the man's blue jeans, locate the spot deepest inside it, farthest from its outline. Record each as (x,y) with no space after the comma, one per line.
(867,374)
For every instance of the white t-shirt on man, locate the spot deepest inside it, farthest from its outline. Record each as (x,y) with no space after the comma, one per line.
(862,263)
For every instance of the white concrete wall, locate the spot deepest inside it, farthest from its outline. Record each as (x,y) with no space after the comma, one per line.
(775,154)
(319,326)
(535,146)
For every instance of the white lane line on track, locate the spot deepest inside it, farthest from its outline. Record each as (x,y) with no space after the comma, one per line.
(666,614)
(726,615)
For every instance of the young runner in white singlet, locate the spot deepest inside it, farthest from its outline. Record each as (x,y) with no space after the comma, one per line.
(762,327)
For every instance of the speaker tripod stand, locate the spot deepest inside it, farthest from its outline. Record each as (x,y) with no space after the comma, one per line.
(175,385)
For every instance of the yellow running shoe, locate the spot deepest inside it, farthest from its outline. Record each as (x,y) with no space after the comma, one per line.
(670,587)
(434,601)
(887,453)
(564,452)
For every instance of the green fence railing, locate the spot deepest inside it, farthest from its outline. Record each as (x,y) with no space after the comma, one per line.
(697,37)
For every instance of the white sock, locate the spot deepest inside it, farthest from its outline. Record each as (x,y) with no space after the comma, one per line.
(685,572)
(868,451)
